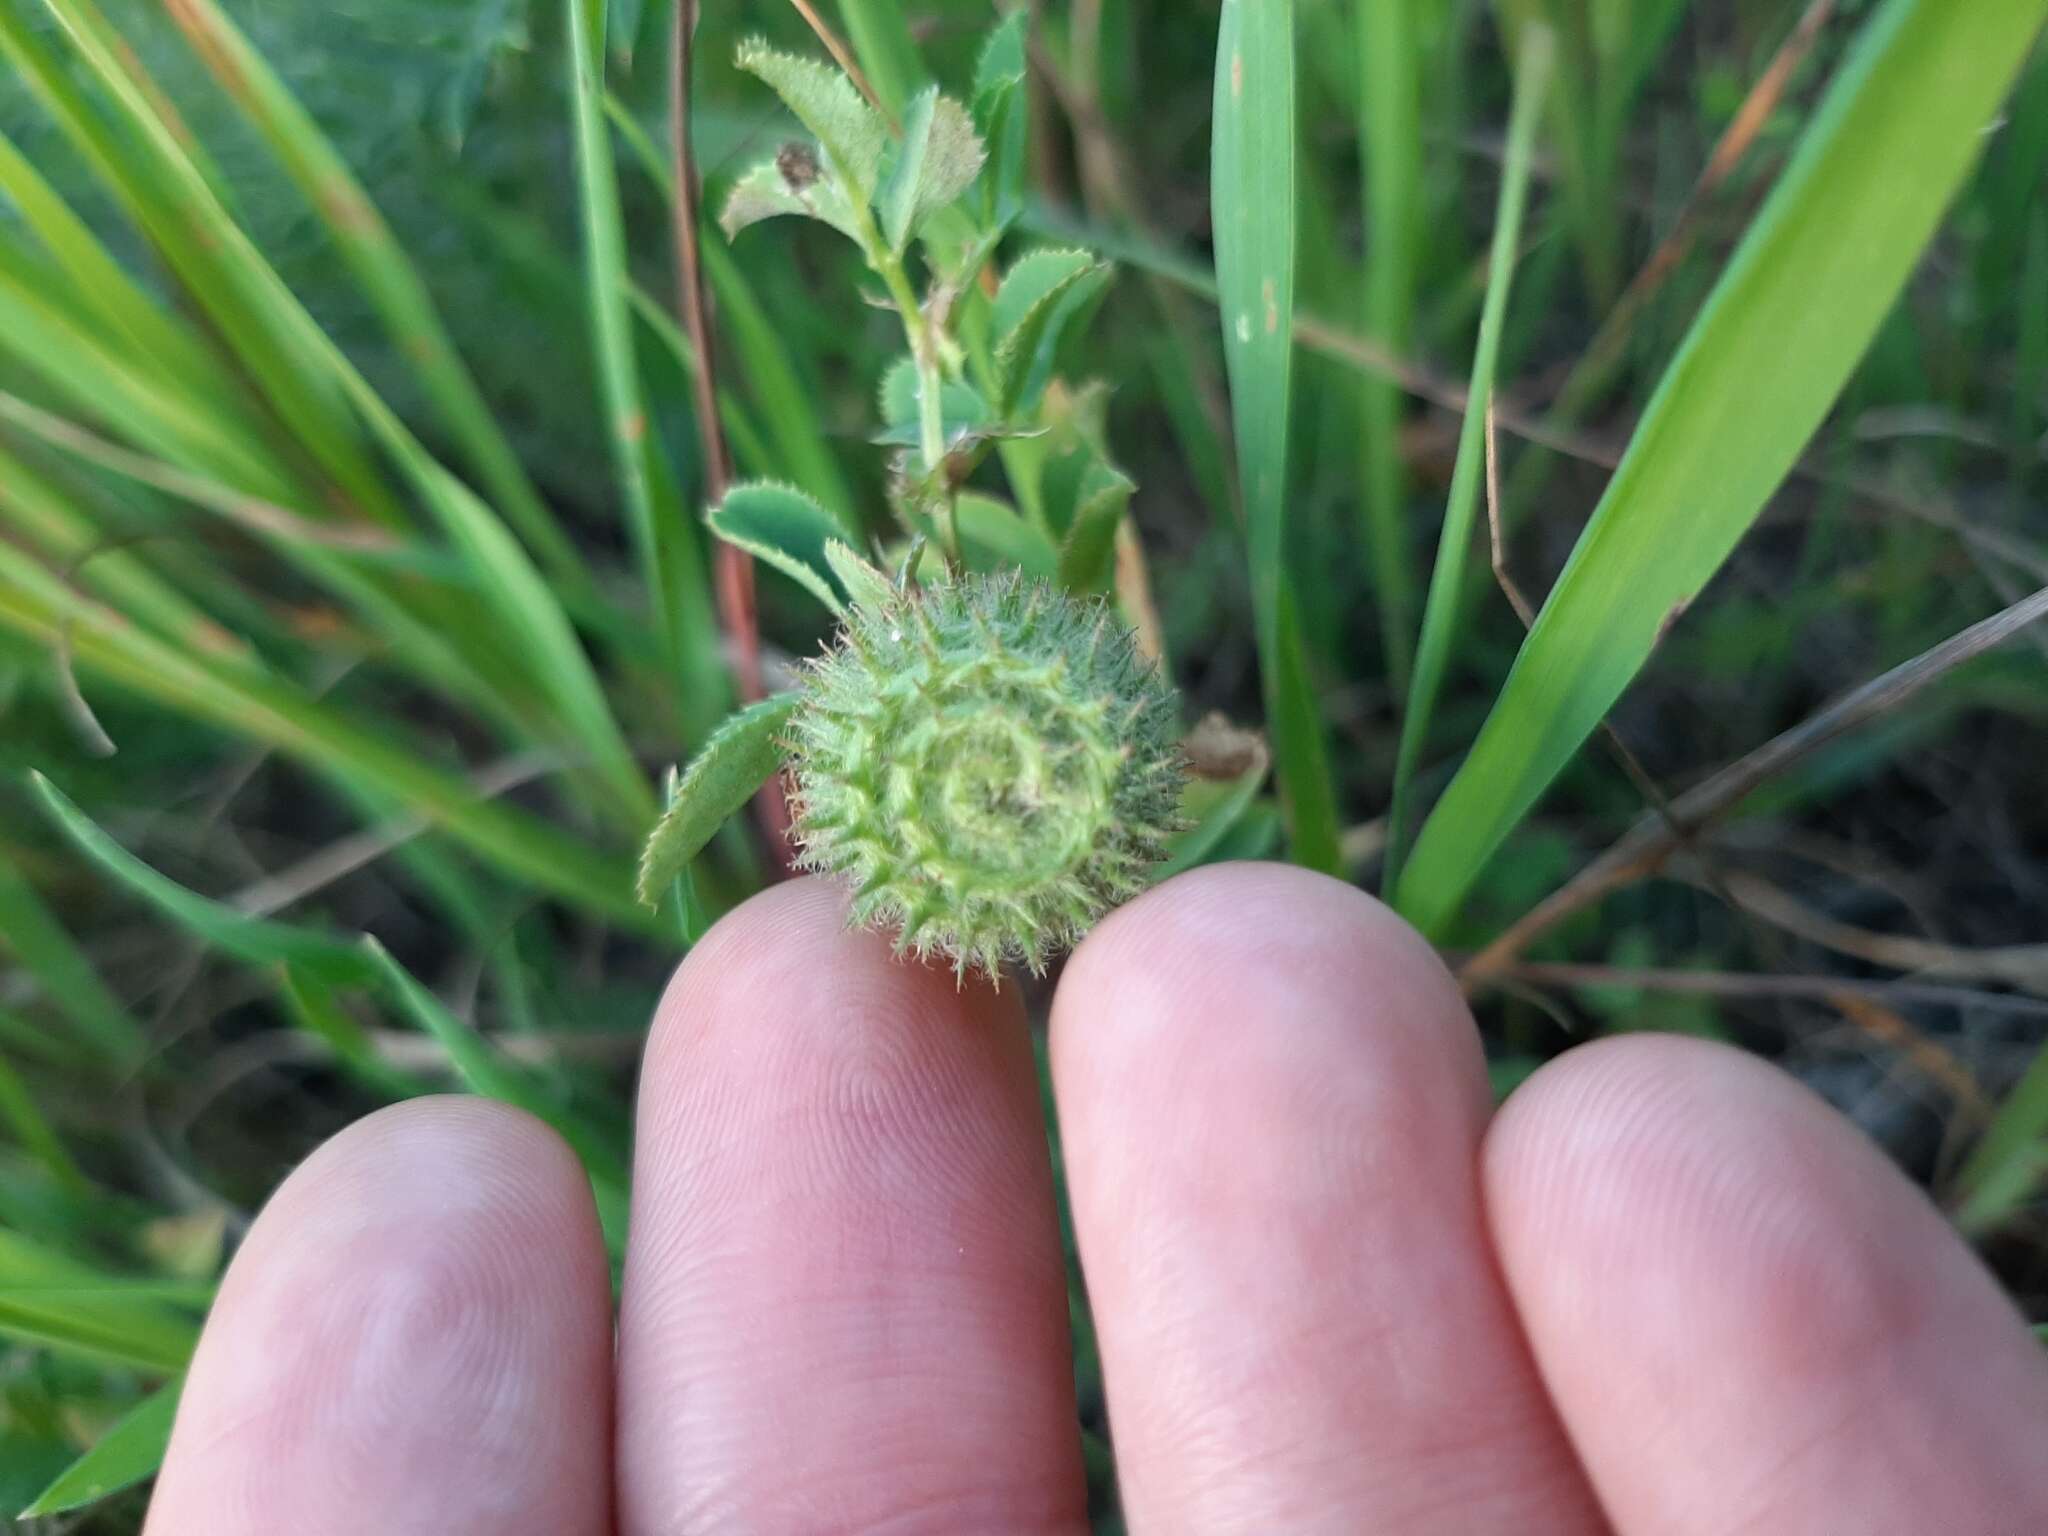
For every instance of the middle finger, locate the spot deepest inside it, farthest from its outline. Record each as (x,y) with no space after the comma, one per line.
(1272,1099)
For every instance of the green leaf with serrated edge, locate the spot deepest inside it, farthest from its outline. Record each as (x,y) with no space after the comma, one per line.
(937,161)
(257,941)
(994,538)
(1072,450)
(128,1453)
(864,583)
(785,527)
(825,102)
(765,192)
(740,757)
(1002,62)
(1024,307)
(1086,556)
(999,113)
(954,159)
(960,406)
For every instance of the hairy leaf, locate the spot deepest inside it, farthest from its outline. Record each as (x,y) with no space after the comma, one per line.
(939,158)
(825,102)
(1086,557)
(785,527)
(864,584)
(740,757)
(771,191)
(1025,307)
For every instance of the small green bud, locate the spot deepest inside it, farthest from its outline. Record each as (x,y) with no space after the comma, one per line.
(990,762)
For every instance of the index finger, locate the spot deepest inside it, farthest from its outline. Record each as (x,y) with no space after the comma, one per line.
(844,1303)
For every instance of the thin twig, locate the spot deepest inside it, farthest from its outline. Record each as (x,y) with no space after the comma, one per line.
(2024,966)
(1728,152)
(734,567)
(841,55)
(1553,973)
(1631,765)
(1934,1062)
(1650,843)
(320,869)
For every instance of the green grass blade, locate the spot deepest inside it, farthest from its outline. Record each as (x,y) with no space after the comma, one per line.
(53,340)
(38,942)
(96,279)
(125,1455)
(749,443)
(20,1113)
(1252,197)
(530,621)
(1440,618)
(1390,135)
(671,561)
(150,169)
(330,744)
(1795,309)
(252,940)
(55,1302)
(474,1061)
(48,516)
(316,1007)
(2011,1159)
(384,272)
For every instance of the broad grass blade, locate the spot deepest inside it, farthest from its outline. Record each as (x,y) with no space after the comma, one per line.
(125,1455)
(1800,300)
(1252,198)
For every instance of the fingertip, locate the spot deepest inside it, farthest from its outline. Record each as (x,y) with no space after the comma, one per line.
(1713,1267)
(844,1285)
(414,1334)
(786,1027)
(1271,1096)
(781,953)
(1196,951)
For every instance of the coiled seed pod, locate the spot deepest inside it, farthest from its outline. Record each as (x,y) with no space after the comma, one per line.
(990,762)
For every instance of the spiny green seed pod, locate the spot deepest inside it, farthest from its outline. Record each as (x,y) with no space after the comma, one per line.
(990,762)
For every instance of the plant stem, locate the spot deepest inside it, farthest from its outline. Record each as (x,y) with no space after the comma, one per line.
(924,357)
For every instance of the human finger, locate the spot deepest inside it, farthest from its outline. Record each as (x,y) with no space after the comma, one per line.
(414,1339)
(1271,1100)
(844,1304)
(1749,1318)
